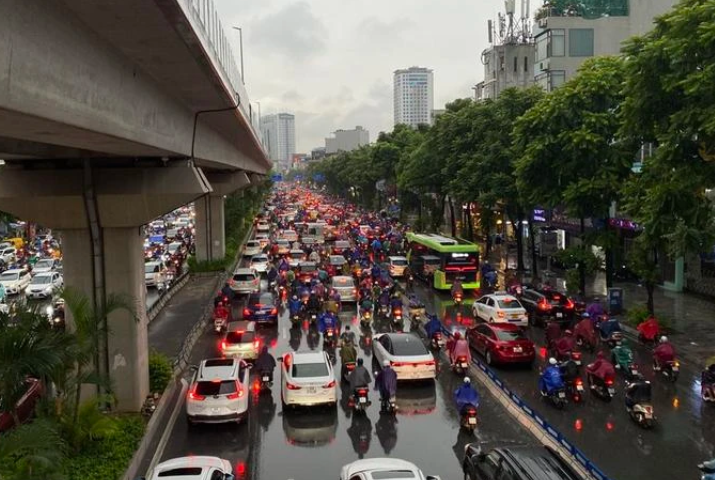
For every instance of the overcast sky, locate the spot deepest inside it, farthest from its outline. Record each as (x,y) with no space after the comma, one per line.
(330,62)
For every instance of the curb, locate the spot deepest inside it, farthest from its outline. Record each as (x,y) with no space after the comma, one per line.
(156,309)
(167,428)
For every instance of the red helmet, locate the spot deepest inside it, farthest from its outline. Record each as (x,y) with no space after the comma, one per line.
(457,335)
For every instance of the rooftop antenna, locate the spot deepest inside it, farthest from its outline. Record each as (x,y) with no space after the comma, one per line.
(510,7)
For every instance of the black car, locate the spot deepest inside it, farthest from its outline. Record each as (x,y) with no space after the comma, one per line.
(262,308)
(516,463)
(543,305)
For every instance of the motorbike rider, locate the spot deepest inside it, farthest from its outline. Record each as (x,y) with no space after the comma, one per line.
(432,326)
(314,256)
(466,395)
(569,370)
(408,275)
(376,245)
(271,274)
(600,370)
(265,363)
(283,265)
(663,353)
(584,329)
(395,302)
(565,345)
(366,305)
(348,353)
(648,329)
(622,355)
(323,275)
(553,333)
(314,304)
(637,391)
(220,311)
(326,321)
(457,289)
(551,378)
(460,349)
(707,382)
(347,337)
(375,272)
(227,291)
(609,327)
(290,278)
(359,377)
(595,309)
(386,381)
(294,305)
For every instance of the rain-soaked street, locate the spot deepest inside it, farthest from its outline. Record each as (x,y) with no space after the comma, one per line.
(274,444)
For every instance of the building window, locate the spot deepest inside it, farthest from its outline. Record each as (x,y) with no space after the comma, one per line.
(557,43)
(581,42)
(550,80)
(526,64)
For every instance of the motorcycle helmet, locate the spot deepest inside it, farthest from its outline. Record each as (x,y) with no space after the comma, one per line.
(585,315)
(359,362)
(467,380)
(457,335)
(295,297)
(663,339)
(552,361)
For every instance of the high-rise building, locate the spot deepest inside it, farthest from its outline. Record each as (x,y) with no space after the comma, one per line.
(279,137)
(413,93)
(347,140)
(567,34)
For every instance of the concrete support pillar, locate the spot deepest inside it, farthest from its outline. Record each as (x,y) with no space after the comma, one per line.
(210,228)
(127,352)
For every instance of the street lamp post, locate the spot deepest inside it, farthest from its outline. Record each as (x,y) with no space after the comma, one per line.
(240,46)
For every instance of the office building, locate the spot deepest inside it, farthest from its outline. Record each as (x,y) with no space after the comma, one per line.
(279,138)
(347,140)
(566,35)
(413,96)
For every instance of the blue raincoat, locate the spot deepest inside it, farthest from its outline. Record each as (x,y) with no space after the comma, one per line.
(551,379)
(466,395)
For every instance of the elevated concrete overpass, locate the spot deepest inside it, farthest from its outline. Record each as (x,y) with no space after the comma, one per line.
(111,114)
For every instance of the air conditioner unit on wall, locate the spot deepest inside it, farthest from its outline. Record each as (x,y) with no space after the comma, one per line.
(543,66)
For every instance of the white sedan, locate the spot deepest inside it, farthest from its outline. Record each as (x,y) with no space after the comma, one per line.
(263,227)
(259,263)
(307,378)
(500,308)
(252,247)
(383,469)
(44,285)
(407,355)
(15,280)
(194,467)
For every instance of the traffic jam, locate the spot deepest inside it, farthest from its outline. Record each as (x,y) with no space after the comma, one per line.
(338,309)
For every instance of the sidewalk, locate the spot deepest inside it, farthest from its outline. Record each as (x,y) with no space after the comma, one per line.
(693,316)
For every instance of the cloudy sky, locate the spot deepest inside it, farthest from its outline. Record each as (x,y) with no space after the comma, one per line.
(330,62)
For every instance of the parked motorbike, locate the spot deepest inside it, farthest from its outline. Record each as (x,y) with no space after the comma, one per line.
(468,418)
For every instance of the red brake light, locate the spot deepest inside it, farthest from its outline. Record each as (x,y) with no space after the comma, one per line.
(237,394)
(569,304)
(256,343)
(292,386)
(274,311)
(362,391)
(544,304)
(579,381)
(195,396)
(223,345)
(246,312)
(609,381)
(329,385)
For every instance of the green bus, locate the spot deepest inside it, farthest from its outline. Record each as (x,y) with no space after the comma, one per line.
(440,260)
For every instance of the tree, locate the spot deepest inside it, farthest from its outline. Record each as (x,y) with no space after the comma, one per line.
(31,451)
(572,154)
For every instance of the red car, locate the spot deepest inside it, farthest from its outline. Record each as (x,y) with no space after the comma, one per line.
(25,407)
(501,343)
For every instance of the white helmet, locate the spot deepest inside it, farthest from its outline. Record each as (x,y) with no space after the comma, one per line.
(552,361)
(467,380)
(663,339)
(385,363)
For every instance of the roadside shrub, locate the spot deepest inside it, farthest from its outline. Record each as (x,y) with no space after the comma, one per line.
(636,315)
(160,371)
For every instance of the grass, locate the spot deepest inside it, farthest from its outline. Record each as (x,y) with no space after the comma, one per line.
(107,458)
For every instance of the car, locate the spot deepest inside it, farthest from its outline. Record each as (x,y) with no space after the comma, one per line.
(340,246)
(259,263)
(25,407)
(44,285)
(500,307)
(245,280)
(240,341)
(407,355)
(383,469)
(296,257)
(290,235)
(307,379)
(396,266)
(283,246)
(194,467)
(263,239)
(308,240)
(501,343)
(307,271)
(263,227)
(219,392)
(8,255)
(174,247)
(15,280)
(345,286)
(252,248)
(261,307)
(45,265)
(335,264)
(150,268)
(543,305)
(515,463)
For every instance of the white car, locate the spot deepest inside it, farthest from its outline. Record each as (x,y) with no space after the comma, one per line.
(263,227)
(397,266)
(345,286)
(283,246)
(193,468)
(15,280)
(245,280)
(263,239)
(45,265)
(173,248)
(259,263)
(295,257)
(7,255)
(307,378)
(383,469)
(240,341)
(290,235)
(44,285)
(252,247)
(150,269)
(500,308)
(219,392)
(407,355)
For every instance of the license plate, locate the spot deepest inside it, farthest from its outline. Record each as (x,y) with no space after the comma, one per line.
(518,350)
(579,388)
(215,409)
(362,400)
(311,390)
(648,415)
(675,368)
(611,391)
(463,365)
(472,421)
(559,315)
(515,316)
(634,372)
(562,395)
(266,378)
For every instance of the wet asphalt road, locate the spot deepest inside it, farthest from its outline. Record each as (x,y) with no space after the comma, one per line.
(315,443)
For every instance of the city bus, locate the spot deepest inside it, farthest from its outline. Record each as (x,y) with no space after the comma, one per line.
(458,259)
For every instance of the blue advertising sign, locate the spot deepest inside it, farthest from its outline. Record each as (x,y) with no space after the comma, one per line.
(319,177)
(299,177)
(277,177)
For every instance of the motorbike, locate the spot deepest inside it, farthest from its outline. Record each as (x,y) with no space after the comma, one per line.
(397,316)
(266,380)
(436,342)
(360,399)
(460,366)
(347,369)
(384,311)
(557,397)
(458,298)
(574,388)
(329,337)
(604,389)
(612,339)
(295,319)
(365,319)
(220,324)
(388,405)
(671,370)
(468,418)
(642,414)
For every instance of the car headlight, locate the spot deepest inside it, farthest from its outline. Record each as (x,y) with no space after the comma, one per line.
(49,311)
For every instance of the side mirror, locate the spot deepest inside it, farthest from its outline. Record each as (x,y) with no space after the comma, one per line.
(433,477)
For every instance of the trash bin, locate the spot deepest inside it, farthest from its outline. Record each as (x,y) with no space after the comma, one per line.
(615,301)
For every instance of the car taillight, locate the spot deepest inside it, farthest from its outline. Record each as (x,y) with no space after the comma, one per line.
(246,312)
(398,364)
(428,363)
(292,386)
(544,304)
(609,382)
(195,396)
(569,304)
(237,394)
(256,343)
(579,381)
(274,311)
(329,385)
(223,345)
